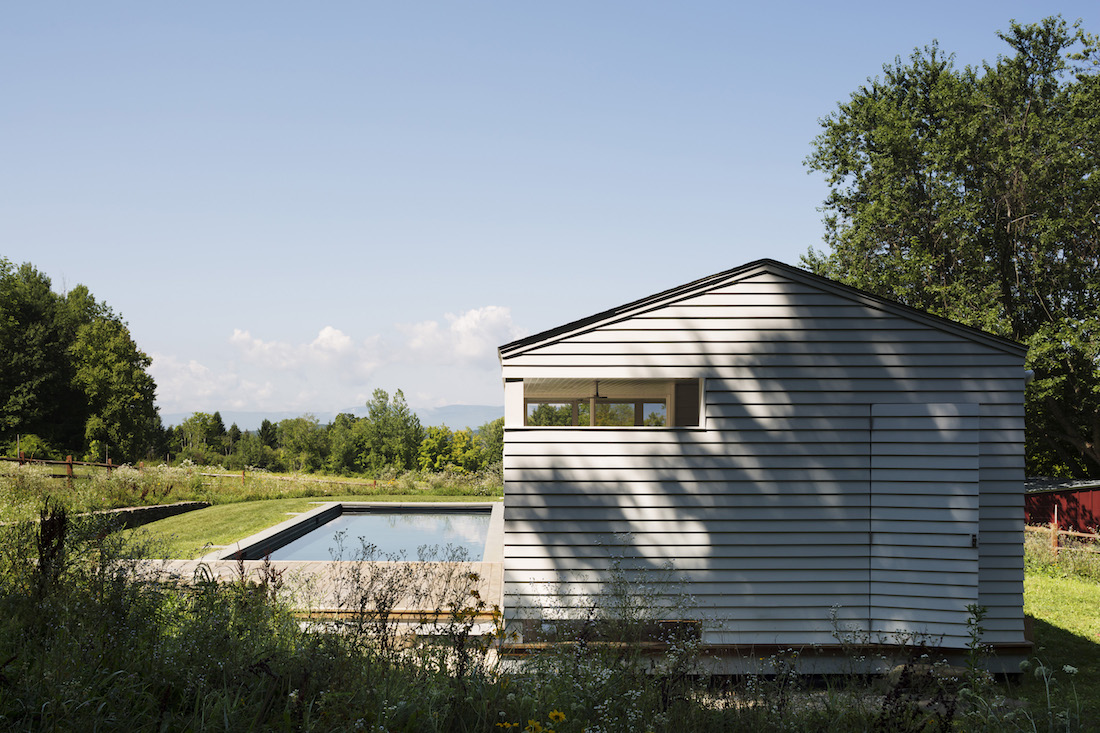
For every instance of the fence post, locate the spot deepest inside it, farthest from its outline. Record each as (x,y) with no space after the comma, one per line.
(69,470)
(242,477)
(109,466)
(1054,532)
(22,458)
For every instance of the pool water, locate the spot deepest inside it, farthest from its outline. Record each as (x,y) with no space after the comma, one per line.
(396,535)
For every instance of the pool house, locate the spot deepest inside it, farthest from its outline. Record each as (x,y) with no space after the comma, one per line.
(819,466)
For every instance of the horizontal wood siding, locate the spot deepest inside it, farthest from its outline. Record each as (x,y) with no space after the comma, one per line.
(765,510)
(939,511)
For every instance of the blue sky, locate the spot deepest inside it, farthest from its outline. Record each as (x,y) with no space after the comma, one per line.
(295,203)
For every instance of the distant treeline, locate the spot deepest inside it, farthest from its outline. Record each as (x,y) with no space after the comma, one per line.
(389,439)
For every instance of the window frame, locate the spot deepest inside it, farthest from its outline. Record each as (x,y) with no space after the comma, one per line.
(668,401)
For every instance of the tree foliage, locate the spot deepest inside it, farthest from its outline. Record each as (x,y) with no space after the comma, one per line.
(118,390)
(35,373)
(974,194)
(392,432)
(546,414)
(388,439)
(70,372)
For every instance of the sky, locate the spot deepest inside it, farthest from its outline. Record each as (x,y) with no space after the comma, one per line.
(294,204)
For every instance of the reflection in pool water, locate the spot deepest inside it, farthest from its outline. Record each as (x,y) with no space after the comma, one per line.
(392,533)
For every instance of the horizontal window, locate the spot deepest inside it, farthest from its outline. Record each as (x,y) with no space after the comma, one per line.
(611,403)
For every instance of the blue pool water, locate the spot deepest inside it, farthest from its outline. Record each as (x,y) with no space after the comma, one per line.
(393,534)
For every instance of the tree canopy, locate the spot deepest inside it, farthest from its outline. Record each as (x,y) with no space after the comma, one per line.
(974,194)
(70,373)
(388,440)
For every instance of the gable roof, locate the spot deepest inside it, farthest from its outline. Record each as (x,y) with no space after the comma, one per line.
(751,269)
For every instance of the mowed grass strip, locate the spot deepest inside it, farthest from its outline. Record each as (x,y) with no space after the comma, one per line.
(194,534)
(1066,615)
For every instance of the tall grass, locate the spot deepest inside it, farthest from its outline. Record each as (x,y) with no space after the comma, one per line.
(1075,557)
(91,638)
(23,488)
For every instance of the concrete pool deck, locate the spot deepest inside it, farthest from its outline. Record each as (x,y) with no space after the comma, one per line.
(323,588)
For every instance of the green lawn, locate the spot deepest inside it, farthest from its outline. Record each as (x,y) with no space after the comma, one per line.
(1066,616)
(189,535)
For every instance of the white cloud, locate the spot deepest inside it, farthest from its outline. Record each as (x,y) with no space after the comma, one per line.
(275,354)
(190,386)
(332,351)
(331,340)
(446,361)
(466,338)
(331,343)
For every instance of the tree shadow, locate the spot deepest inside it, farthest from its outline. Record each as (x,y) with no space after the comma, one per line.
(1055,648)
(766,513)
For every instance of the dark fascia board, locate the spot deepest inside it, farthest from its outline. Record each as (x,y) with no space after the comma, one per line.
(681,292)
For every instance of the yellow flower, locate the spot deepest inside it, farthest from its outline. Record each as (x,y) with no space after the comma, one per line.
(534,726)
(556,716)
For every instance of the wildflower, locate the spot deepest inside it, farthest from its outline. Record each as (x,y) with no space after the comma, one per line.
(557,716)
(1025,665)
(534,726)
(1069,669)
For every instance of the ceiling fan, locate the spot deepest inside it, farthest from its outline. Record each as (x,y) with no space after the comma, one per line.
(598,396)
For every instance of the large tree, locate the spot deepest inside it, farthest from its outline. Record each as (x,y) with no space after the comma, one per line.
(118,391)
(975,194)
(36,392)
(392,433)
(303,443)
(70,372)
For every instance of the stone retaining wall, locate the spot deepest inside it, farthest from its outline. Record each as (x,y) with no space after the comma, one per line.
(135,516)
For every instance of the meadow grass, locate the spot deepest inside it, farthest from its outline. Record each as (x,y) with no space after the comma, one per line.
(91,639)
(23,488)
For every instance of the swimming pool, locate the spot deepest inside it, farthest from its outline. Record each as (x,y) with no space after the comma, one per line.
(457,531)
(393,536)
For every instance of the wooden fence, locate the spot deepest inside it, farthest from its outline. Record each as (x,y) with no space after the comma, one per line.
(68,463)
(1055,532)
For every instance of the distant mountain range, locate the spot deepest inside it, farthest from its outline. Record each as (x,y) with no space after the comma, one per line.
(453,416)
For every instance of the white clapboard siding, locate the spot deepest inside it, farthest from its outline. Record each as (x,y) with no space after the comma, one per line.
(852,454)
